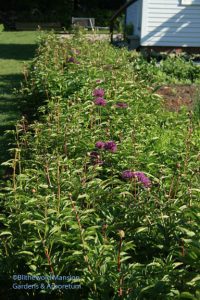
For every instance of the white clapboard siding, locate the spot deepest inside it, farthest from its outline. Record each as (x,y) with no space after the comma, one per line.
(171,29)
(170,23)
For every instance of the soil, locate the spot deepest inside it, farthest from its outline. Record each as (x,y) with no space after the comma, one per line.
(176,96)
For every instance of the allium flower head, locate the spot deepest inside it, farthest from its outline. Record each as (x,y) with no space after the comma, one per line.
(100,145)
(71,59)
(142,178)
(127,174)
(100,101)
(98,92)
(110,146)
(121,105)
(139,175)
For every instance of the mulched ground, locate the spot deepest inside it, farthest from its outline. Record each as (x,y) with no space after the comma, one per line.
(176,96)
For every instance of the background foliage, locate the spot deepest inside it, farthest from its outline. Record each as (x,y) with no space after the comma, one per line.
(59,11)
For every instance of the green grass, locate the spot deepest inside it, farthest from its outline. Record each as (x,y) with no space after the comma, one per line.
(16,49)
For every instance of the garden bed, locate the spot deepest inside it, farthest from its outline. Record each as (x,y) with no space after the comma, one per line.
(176,96)
(105,184)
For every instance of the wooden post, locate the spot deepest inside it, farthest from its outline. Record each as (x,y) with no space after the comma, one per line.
(111,31)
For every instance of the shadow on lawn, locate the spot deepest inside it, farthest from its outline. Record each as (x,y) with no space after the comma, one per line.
(8,83)
(10,106)
(17,51)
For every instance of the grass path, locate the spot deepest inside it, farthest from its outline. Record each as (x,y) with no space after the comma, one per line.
(16,48)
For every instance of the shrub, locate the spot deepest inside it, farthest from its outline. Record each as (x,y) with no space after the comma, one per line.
(173,69)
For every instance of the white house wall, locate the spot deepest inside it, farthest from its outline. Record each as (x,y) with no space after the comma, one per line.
(133,16)
(170,23)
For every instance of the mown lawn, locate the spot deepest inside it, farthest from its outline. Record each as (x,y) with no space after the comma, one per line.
(16,49)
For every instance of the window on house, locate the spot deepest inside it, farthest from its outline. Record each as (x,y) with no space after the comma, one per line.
(190,2)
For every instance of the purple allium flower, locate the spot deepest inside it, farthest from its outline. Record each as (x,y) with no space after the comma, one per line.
(142,178)
(110,146)
(100,101)
(121,105)
(100,145)
(71,59)
(98,92)
(127,174)
(139,175)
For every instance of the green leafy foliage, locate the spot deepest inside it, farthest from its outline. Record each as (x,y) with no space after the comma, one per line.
(66,213)
(172,69)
